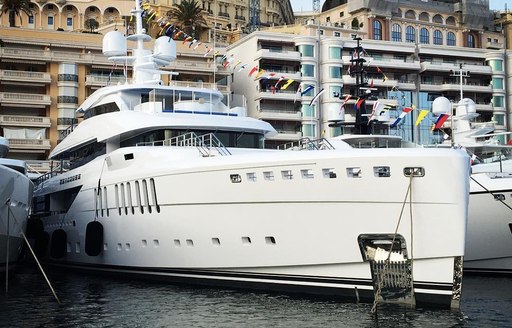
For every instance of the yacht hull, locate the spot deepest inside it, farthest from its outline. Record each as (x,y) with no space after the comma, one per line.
(16,196)
(281,220)
(489,235)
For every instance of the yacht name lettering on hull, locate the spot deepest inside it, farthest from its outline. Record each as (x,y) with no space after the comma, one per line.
(70,179)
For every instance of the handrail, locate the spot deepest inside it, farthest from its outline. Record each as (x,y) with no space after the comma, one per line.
(307,144)
(204,143)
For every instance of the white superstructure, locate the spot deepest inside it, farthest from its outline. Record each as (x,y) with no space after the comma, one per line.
(170,183)
(15,200)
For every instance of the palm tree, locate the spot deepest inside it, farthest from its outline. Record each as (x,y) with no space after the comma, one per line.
(189,16)
(15,8)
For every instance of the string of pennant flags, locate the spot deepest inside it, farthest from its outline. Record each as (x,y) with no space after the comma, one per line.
(230,62)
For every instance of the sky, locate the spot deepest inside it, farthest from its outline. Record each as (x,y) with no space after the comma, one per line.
(307,5)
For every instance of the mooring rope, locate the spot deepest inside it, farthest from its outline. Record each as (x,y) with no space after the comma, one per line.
(35,258)
(388,261)
(490,192)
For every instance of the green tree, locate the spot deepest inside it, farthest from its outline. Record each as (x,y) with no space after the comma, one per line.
(91,24)
(188,15)
(15,8)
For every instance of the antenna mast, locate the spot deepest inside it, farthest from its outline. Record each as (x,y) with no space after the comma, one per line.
(316,6)
(254,15)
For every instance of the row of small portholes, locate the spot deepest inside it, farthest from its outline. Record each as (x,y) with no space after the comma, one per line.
(124,199)
(269,240)
(352,172)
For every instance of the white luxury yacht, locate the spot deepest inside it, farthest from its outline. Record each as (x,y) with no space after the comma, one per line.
(15,199)
(169,183)
(489,235)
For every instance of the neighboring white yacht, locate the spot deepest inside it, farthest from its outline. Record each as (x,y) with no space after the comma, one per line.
(489,235)
(169,183)
(15,200)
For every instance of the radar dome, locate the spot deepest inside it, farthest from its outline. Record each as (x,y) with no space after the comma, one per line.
(441,105)
(466,106)
(165,48)
(114,44)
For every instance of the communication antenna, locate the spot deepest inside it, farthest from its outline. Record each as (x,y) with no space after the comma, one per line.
(316,6)
(461,74)
(254,15)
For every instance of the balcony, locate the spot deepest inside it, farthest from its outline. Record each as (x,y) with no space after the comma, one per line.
(279,115)
(278,55)
(484,107)
(25,121)
(280,95)
(455,87)
(101,81)
(389,63)
(190,84)
(447,67)
(283,135)
(31,145)
(494,45)
(288,75)
(23,55)
(192,66)
(25,77)
(24,99)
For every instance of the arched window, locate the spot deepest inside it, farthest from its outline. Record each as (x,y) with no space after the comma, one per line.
(437,19)
(424,17)
(410,14)
(450,20)
(424,37)
(450,39)
(410,34)
(471,41)
(377,30)
(396,33)
(438,37)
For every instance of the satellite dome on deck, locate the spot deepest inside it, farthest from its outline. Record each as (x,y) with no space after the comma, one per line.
(466,106)
(114,44)
(165,48)
(441,105)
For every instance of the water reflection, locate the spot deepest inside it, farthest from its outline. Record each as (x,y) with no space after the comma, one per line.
(97,301)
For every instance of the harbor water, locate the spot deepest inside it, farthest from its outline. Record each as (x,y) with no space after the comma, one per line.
(99,301)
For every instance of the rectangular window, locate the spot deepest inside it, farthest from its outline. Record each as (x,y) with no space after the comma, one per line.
(496,65)
(497,83)
(335,52)
(499,119)
(50,20)
(308,130)
(308,111)
(69,22)
(335,91)
(497,101)
(307,70)
(307,50)
(335,72)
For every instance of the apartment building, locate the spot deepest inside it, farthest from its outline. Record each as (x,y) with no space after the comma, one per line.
(226,20)
(415,51)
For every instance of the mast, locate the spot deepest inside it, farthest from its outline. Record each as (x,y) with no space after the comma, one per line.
(360,91)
